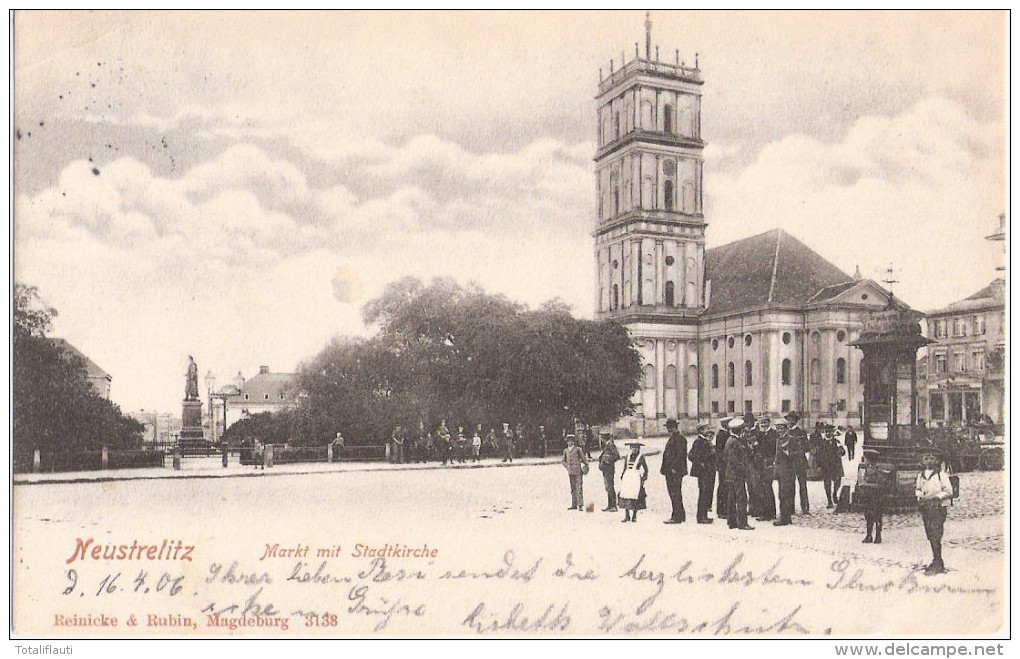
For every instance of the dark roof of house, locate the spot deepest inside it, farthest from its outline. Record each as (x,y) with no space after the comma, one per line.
(994,291)
(992,295)
(770,269)
(92,369)
(273,384)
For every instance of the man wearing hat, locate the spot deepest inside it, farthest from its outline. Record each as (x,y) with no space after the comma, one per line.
(674,468)
(722,494)
(786,472)
(607,465)
(702,456)
(576,465)
(737,470)
(934,492)
(799,445)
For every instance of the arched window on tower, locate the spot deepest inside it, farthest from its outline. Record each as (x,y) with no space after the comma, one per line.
(667,192)
(671,377)
(689,298)
(670,294)
(787,374)
(690,203)
(715,376)
(616,125)
(748,373)
(692,377)
(731,375)
(815,371)
(667,118)
(616,199)
(616,297)
(840,371)
(649,376)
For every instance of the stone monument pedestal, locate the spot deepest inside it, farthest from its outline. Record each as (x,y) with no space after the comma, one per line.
(192,440)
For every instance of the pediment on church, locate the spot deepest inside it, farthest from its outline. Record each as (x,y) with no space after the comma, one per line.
(861,293)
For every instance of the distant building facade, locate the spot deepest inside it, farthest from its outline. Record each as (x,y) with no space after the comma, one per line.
(963,374)
(264,392)
(761,325)
(158,427)
(100,379)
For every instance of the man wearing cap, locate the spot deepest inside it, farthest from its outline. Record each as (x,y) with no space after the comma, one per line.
(674,468)
(850,439)
(722,493)
(702,456)
(799,445)
(934,491)
(607,465)
(576,465)
(737,470)
(765,439)
(786,472)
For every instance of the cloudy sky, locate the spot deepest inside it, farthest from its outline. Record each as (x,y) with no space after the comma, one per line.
(236,186)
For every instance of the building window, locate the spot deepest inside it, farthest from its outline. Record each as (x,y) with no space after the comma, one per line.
(840,371)
(731,407)
(936,406)
(667,193)
(715,344)
(715,407)
(841,336)
(692,377)
(671,377)
(959,362)
(731,378)
(979,325)
(977,359)
(816,371)
(816,405)
(616,296)
(748,407)
(670,260)
(715,376)
(787,337)
(265,396)
(940,363)
(616,125)
(616,200)
(841,405)
(246,396)
(815,337)
(649,376)
(667,118)
(941,329)
(748,373)
(787,372)
(786,405)
(670,294)
(281,397)
(730,342)
(959,327)
(747,340)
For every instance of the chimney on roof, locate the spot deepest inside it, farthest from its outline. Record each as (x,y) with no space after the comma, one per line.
(857,273)
(263,370)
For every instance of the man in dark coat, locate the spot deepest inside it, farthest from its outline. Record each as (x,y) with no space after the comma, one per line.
(737,458)
(674,468)
(830,460)
(607,465)
(722,493)
(765,440)
(799,445)
(702,456)
(850,439)
(786,472)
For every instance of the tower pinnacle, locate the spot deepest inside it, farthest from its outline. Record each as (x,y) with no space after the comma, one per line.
(648,35)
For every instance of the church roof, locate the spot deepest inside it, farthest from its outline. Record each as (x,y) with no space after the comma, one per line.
(770,269)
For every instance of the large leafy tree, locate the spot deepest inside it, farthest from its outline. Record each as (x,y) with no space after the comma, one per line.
(447,352)
(55,406)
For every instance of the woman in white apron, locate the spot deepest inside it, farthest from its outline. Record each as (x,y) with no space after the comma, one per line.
(632,483)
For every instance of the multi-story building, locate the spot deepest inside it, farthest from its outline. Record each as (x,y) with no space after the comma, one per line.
(264,392)
(100,379)
(963,373)
(763,324)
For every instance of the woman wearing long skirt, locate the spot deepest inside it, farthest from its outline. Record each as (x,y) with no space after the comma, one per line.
(632,483)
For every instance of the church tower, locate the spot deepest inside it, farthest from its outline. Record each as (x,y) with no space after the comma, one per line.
(650,227)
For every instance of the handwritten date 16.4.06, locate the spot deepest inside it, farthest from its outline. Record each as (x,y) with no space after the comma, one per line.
(112,583)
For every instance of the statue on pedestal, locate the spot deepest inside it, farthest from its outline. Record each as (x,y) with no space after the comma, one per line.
(191,383)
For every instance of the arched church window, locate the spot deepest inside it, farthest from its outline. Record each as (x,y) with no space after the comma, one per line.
(616,125)
(715,376)
(748,373)
(667,192)
(667,118)
(616,297)
(815,371)
(616,199)
(692,377)
(649,376)
(691,294)
(787,372)
(670,295)
(671,377)
(840,371)
(731,375)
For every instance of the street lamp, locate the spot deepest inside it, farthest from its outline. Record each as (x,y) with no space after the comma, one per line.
(210,382)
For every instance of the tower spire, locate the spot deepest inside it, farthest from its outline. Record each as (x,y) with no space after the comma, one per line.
(648,35)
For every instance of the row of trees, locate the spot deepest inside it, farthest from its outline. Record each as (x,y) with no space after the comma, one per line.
(443,351)
(55,407)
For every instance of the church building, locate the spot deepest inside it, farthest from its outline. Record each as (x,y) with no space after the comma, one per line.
(761,325)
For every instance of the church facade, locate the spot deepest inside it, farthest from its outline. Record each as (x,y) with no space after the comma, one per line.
(761,325)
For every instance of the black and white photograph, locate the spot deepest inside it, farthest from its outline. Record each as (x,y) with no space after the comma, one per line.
(510,324)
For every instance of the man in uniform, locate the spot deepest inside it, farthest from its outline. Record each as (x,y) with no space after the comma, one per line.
(766,459)
(674,468)
(786,472)
(737,470)
(934,493)
(722,494)
(799,445)
(702,456)
(607,465)
(508,443)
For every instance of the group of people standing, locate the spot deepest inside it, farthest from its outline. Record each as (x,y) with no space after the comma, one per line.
(448,447)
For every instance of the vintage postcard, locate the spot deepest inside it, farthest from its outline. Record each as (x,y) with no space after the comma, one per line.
(509,325)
